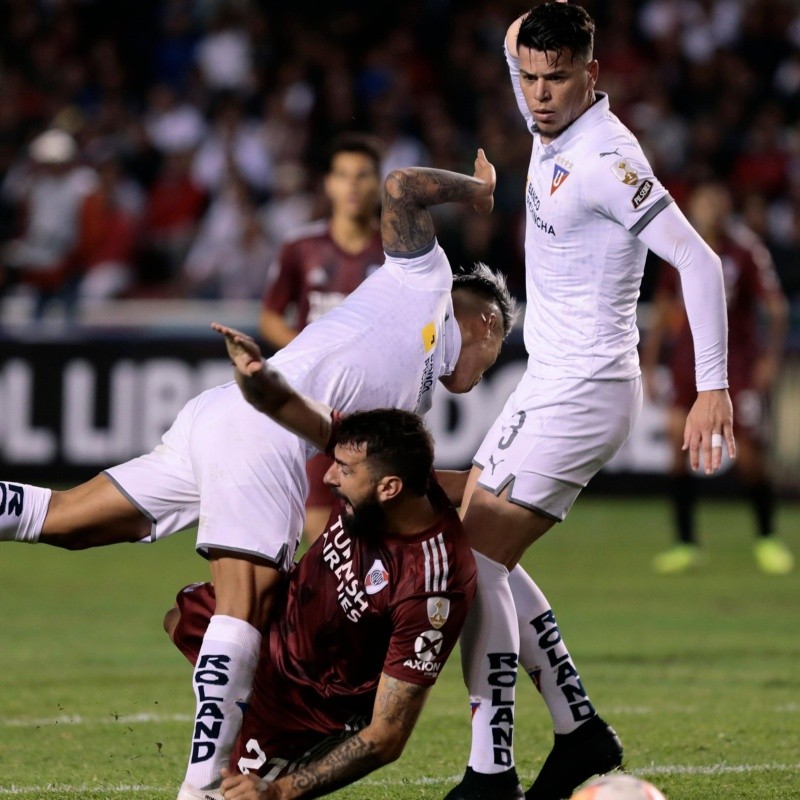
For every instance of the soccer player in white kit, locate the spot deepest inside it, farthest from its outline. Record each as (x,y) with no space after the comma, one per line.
(593,208)
(241,476)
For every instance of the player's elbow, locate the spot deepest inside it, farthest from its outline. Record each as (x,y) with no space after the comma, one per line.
(399,185)
(389,749)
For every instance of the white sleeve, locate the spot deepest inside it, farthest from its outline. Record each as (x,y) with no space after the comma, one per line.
(670,236)
(427,268)
(513,71)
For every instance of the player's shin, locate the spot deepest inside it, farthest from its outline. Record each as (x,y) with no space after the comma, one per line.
(489,646)
(222,680)
(544,656)
(23,509)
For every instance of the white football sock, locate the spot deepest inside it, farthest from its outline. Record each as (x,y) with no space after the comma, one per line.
(22,511)
(544,656)
(489,645)
(223,678)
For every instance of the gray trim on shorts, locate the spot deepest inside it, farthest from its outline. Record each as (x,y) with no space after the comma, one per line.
(509,482)
(532,507)
(276,562)
(128,497)
(413,253)
(651,214)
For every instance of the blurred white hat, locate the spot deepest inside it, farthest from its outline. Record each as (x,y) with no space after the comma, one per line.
(53,147)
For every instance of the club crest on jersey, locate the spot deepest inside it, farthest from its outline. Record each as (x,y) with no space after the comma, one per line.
(377,578)
(624,171)
(429,337)
(560,174)
(438,611)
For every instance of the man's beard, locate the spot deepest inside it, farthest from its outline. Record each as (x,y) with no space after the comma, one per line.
(367,522)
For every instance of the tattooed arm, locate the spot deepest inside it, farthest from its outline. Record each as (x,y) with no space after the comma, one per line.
(397,707)
(406,224)
(269,392)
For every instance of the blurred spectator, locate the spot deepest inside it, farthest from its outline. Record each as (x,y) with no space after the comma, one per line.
(173,125)
(48,193)
(224,56)
(174,206)
(230,255)
(752,290)
(233,144)
(102,260)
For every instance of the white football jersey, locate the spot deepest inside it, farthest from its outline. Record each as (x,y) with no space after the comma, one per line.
(589,193)
(386,345)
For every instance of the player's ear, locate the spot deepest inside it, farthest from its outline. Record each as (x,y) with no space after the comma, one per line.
(489,322)
(593,69)
(389,487)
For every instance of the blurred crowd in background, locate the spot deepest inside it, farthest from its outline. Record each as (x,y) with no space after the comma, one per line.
(164,149)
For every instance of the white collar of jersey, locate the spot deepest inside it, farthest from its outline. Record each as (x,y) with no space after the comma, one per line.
(585,121)
(451,334)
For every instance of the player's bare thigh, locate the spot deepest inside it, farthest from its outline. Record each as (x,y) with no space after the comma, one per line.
(93,514)
(498,528)
(244,586)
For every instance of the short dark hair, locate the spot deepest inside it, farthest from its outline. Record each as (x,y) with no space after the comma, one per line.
(491,285)
(397,443)
(361,143)
(555,27)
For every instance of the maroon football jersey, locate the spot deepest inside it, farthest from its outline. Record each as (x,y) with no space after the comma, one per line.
(354,608)
(315,274)
(749,279)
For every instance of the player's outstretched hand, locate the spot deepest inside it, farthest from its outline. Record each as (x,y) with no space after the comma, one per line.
(709,425)
(484,171)
(243,350)
(245,787)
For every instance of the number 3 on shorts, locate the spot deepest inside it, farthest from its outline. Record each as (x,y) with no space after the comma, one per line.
(513,430)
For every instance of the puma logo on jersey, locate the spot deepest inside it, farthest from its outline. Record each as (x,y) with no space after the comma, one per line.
(610,153)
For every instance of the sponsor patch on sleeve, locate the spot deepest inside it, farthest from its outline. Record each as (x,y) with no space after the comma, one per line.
(642,193)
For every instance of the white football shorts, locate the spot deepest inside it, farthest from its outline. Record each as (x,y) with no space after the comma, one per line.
(230,469)
(553,436)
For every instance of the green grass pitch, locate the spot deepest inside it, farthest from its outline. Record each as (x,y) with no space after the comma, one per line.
(700,674)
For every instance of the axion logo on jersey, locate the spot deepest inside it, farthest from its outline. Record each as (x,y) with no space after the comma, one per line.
(427,647)
(626,172)
(377,578)
(561,171)
(429,337)
(438,611)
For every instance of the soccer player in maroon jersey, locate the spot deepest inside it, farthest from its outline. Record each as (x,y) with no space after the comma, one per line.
(320,264)
(751,288)
(370,613)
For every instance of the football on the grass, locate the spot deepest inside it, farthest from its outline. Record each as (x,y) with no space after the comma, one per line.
(618,787)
